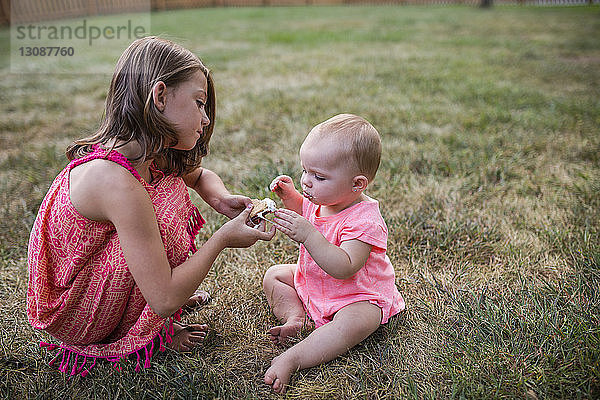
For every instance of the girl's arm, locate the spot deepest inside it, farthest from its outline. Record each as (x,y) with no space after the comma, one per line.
(108,192)
(212,190)
(283,187)
(339,262)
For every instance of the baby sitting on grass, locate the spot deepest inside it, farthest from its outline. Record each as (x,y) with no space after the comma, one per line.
(343,279)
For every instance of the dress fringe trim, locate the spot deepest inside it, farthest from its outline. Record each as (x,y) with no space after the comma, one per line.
(75,363)
(195,223)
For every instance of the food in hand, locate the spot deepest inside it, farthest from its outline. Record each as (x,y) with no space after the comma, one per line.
(261,208)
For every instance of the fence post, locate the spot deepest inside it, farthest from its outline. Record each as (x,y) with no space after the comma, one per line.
(92,7)
(159,5)
(4,12)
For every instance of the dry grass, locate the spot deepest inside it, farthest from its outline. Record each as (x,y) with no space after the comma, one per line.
(489,183)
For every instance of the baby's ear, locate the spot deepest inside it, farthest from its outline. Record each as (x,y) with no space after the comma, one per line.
(159,95)
(359,183)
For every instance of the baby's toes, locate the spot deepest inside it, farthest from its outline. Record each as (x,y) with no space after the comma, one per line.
(270,378)
(275,331)
(274,339)
(278,386)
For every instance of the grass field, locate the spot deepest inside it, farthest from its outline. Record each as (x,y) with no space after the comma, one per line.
(489,183)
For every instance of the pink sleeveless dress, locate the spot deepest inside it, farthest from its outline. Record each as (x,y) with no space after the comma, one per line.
(80,289)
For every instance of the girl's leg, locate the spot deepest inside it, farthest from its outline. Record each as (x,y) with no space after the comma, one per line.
(278,285)
(350,326)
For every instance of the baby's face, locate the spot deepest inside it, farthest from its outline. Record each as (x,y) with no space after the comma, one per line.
(327,174)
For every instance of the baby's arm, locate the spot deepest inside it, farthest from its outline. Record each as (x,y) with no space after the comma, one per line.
(339,262)
(212,190)
(283,187)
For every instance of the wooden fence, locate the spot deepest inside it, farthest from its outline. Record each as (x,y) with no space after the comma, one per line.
(41,10)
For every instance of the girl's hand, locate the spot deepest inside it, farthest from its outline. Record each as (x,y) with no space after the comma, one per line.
(212,190)
(232,205)
(295,226)
(237,234)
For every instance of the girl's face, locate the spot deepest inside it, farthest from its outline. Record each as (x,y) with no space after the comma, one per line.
(185,109)
(327,176)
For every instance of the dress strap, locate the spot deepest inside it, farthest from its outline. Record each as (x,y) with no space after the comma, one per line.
(111,155)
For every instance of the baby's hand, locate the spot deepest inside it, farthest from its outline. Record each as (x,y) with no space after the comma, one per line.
(282,185)
(295,226)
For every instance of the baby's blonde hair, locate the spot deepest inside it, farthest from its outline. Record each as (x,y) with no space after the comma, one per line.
(361,140)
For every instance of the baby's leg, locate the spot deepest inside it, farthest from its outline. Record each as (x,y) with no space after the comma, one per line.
(278,285)
(350,326)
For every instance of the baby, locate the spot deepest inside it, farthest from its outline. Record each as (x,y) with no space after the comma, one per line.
(343,279)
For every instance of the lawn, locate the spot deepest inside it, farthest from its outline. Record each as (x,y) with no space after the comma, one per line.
(489,183)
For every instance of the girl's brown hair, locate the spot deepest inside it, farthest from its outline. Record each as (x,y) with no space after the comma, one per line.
(131,114)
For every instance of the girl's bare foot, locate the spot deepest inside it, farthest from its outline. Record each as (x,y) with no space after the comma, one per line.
(199,298)
(186,338)
(279,373)
(280,334)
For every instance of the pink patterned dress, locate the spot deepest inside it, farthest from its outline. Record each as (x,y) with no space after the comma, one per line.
(80,288)
(323,295)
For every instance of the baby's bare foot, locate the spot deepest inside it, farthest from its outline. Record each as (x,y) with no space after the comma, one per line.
(186,338)
(279,373)
(280,334)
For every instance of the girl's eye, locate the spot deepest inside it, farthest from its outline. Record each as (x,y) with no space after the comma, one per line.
(200,103)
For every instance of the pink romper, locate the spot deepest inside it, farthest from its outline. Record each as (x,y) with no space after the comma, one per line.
(80,288)
(375,282)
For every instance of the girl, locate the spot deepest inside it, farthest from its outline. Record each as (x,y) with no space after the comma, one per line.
(109,254)
(343,280)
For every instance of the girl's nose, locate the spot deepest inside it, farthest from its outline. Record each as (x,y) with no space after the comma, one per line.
(205,119)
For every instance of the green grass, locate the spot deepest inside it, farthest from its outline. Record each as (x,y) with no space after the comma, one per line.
(489,183)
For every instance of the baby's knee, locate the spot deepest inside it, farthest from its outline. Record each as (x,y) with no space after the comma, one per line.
(271,276)
(278,273)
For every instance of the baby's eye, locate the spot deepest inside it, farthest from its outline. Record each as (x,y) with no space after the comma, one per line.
(319,178)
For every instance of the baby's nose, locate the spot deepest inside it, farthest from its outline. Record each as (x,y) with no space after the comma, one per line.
(304,181)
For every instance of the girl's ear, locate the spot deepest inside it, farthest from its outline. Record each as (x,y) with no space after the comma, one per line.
(159,95)
(359,183)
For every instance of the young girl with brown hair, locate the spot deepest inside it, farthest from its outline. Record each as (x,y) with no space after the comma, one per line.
(109,254)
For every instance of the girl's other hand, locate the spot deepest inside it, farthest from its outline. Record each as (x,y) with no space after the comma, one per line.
(293,225)
(237,234)
(231,205)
